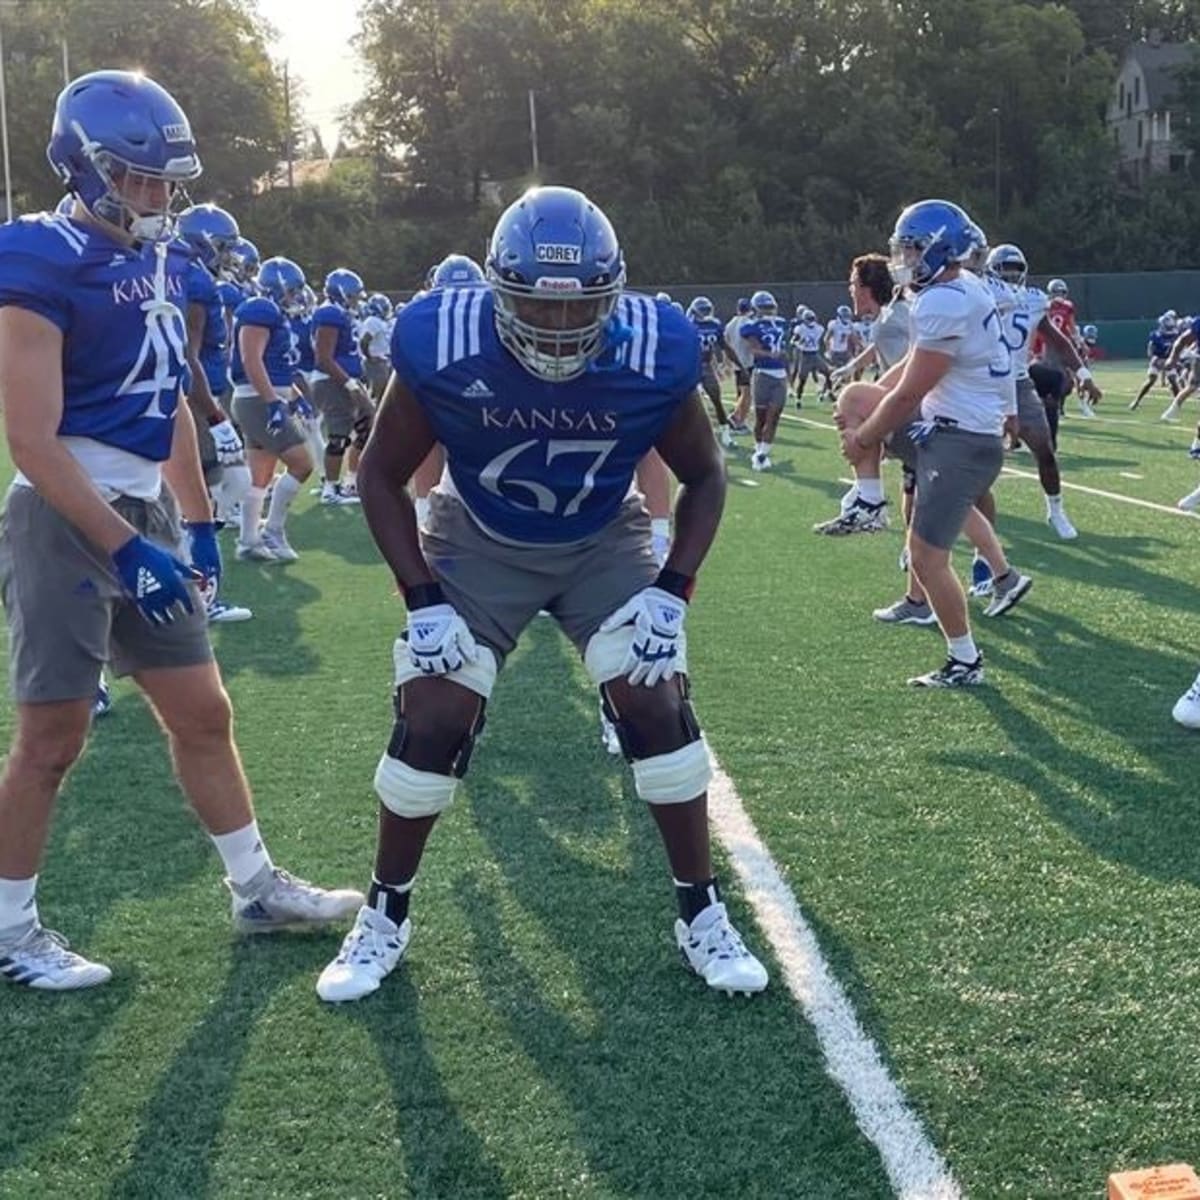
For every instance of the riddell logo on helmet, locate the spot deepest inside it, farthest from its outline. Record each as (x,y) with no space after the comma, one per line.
(552,283)
(558,254)
(177,132)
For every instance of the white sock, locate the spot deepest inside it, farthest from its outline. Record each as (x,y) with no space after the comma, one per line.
(287,488)
(316,443)
(422,506)
(232,488)
(17,904)
(252,506)
(1196,443)
(242,852)
(849,498)
(329,487)
(870,490)
(1053,503)
(660,527)
(962,648)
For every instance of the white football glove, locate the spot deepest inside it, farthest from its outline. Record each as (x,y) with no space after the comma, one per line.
(439,640)
(228,445)
(658,620)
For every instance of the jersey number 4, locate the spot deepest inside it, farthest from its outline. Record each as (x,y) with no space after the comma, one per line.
(159,366)
(545,499)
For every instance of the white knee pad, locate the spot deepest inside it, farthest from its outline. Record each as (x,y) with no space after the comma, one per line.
(674,778)
(479,676)
(605,654)
(411,793)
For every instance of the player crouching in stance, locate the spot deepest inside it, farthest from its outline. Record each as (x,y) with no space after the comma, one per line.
(945,415)
(545,390)
(93,346)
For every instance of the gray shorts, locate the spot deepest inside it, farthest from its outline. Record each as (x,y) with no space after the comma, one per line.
(811,363)
(1032,423)
(251,413)
(339,410)
(954,469)
(1193,373)
(498,589)
(710,383)
(768,391)
(67,612)
(838,358)
(378,371)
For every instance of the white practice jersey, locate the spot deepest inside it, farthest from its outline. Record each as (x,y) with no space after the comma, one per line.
(960,318)
(378,333)
(737,343)
(840,333)
(1020,317)
(808,337)
(889,332)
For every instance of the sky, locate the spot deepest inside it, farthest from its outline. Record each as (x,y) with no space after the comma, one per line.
(315,39)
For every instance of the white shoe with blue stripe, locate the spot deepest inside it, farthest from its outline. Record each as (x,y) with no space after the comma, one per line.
(275,900)
(43,959)
(712,948)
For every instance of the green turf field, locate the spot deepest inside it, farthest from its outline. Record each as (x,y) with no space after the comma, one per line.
(1004,881)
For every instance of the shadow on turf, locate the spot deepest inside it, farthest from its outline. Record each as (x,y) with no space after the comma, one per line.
(659,1061)
(1143,817)
(339,531)
(273,643)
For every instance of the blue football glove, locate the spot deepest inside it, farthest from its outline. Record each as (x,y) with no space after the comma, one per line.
(155,579)
(206,554)
(303,409)
(276,416)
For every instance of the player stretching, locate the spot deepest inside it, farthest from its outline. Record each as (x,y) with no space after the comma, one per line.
(545,389)
(93,348)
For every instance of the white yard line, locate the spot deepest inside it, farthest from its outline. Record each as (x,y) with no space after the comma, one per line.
(1074,487)
(913,1165)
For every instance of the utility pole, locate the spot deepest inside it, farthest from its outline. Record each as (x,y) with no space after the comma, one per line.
(533,134)
(996,161)
(66,63)
(287,117)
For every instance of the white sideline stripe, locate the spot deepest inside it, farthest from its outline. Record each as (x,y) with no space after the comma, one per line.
(1075,487)
(1130,475)
(913,1165)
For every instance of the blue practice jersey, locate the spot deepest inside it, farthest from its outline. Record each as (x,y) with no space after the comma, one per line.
(540,462)
(302,328)
(772,332)
(231,294)
(124,356)
(345,353)
(214,351)
(1160,344)
(280,356)
(710,331)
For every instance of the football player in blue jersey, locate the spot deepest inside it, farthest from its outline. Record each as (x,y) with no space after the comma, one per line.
(1158,349)
(766,335)
(338,391)
(712,336)
(93,357)
(265,359)
(211,232)
(545,389)
(303,406)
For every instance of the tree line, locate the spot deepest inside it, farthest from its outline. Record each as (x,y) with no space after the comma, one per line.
(729,140)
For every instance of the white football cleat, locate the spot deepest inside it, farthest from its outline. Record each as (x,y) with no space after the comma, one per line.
(712,948)
(1187,707)
(370,952)
(1061,525)
(1171,412)
(1190,502)
(756,461)
(255,551)
(220,613)
(44,960)
(1085,408)
(1004,598)
(276,541)
(274,900)
(727,438)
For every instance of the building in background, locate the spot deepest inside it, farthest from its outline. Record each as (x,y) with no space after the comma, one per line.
(1144,111)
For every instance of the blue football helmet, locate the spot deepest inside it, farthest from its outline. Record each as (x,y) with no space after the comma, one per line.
(663,297)
(211,232)
(1091,335)
(244,260)
(1007,262)
(344,287)
(283,281)
(844,313)
(123,145)
(808,316)
(456,270)
(763,304)
(743,306)
(556,271)
(378,305)
(930,237)
(700,309)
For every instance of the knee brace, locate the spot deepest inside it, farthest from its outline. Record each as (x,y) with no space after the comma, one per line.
(362,431)
(674,778)
(337,445)
(410,793)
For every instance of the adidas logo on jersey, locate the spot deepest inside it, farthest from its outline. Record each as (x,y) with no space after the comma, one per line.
(478,391)
(147,584)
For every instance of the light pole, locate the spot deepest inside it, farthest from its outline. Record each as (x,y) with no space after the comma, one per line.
(996,162)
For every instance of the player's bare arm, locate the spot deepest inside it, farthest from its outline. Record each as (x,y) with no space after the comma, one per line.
(399,442)
(32,399)
(689,449)
(923,369)
(324,344)
(183,472)
(200,394)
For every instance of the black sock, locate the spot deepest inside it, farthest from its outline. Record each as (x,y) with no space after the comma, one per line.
(694,898)
(391,899)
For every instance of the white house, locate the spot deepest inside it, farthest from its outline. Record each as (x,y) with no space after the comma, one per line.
(1143,112)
